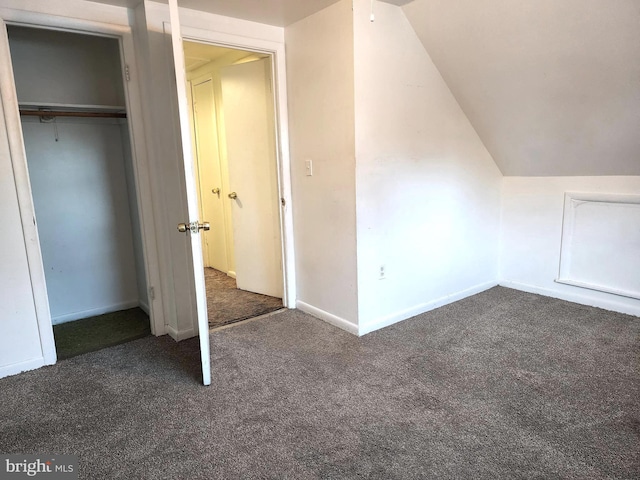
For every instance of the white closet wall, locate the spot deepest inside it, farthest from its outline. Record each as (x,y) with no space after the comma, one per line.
(136,229)
(82,184)
(52,67)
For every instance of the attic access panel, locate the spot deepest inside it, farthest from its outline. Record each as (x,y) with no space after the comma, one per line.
(601,243)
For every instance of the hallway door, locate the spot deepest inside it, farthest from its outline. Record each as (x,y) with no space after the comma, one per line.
(210,175)
(251,152)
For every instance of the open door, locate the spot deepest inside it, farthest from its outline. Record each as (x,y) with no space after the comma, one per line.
(251,152)
(193,226)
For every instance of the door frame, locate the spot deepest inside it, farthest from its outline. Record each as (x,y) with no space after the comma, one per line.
(276,52)
(139,154)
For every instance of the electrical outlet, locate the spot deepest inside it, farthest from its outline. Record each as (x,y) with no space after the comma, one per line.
(383,272)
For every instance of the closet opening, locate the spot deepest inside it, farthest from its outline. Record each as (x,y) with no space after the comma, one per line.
(72,102)
(233,133)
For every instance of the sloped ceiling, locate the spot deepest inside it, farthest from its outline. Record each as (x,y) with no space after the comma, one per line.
(551,86)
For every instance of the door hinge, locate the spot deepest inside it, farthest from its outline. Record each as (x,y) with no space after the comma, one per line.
(127,74)
(283,202)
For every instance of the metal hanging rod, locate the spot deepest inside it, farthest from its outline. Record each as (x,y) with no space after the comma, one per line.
(68,113)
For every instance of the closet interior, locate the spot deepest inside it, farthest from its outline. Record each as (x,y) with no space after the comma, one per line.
(71,94)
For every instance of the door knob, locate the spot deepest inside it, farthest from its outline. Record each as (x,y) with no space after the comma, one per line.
(216,191)
(233,195)
(193,227)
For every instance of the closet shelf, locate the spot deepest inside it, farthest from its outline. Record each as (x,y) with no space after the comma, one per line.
(66,110)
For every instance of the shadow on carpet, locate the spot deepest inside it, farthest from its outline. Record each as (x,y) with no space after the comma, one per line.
(95,333)
(227,304)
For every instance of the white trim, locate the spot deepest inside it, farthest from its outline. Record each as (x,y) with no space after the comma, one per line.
(580,298)
(82,11)
(328,317)
(16,368)
(277,52)
(423,307)
(163,282)
(599,288)
(54,22)
(143,185)
(603,197)
(10,107)
(179,335)
(92,312)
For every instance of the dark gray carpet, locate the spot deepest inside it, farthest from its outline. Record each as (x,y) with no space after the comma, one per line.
(501,385)
(102,331)
(226,304)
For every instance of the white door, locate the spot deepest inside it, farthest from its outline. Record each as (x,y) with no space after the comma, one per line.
(210,175)
(251,154)
(192,224)
(26,335)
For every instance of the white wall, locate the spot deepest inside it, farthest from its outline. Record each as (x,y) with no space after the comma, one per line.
(321,111)
(80,194)
(135,220)
(428,192)
(532,215)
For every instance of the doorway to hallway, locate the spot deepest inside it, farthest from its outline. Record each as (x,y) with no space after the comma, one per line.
(233,135)
(227,304)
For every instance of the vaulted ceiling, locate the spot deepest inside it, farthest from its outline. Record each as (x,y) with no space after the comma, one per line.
(551,86)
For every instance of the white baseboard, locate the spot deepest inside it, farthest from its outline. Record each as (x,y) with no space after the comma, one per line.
(581,298)
(15,368)
(424,307)
(70,317)
(179,335)
(328,317)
